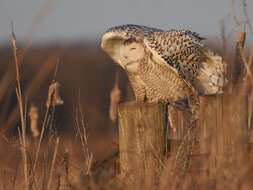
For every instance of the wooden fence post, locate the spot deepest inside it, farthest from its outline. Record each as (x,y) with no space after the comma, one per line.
(142,141)
(221,137)
(220,148)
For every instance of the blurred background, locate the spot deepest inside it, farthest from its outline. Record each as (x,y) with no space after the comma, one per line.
(47,21)
(67,33)
(48,30)
(51,30)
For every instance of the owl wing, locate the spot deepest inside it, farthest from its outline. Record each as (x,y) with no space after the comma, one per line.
(180,49)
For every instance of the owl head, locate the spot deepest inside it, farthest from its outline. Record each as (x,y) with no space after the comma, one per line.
(124,44)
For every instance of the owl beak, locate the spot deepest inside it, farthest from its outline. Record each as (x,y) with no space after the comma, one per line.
(121,64)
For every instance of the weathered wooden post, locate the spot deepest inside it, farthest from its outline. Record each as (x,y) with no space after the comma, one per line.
(142,141)
(222,132)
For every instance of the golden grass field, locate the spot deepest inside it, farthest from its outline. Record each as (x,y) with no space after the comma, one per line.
(56,133)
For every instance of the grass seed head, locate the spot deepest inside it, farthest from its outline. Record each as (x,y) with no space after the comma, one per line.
(34,115)
(53,98)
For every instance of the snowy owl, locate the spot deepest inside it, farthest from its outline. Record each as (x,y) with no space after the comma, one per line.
(165,66)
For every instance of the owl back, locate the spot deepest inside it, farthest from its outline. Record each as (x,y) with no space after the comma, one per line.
(210,78)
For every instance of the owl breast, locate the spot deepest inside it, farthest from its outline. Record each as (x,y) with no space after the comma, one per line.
(161,84)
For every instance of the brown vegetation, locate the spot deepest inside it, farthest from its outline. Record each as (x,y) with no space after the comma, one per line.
(59,130)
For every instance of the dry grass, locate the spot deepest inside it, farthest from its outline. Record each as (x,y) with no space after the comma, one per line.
(69,142)
(72,161)
(22,131)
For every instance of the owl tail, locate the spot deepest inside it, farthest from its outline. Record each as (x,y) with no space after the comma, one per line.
(211,77)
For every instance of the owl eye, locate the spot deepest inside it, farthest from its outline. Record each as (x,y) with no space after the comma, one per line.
(129,41)
(132,48)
